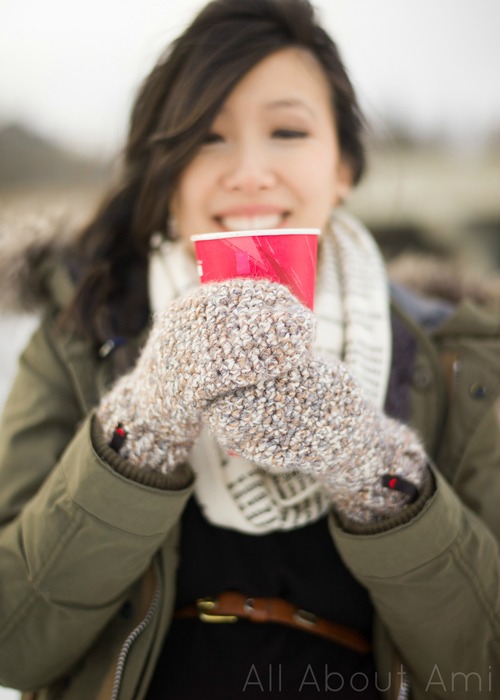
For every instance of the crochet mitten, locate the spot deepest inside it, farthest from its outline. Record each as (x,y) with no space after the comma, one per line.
(223,337)
(315,420)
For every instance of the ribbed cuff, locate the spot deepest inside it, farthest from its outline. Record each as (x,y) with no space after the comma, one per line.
(180,477)
(382,524)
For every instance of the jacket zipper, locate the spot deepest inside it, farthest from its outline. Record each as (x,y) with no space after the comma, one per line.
(404,689)
(122,658)
(456,368)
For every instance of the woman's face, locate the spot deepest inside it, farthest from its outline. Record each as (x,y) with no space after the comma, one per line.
(271,159)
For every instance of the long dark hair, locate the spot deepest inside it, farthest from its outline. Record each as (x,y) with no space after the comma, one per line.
(173,112)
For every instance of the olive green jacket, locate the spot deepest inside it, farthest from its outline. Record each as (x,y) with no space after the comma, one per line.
(88,553)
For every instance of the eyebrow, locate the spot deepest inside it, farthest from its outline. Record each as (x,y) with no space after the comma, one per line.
(283,103)
(287,103)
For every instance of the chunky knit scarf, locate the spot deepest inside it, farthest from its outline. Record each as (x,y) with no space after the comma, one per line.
(352,311)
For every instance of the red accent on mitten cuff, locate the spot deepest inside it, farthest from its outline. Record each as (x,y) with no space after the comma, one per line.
(398,483)
(119,437)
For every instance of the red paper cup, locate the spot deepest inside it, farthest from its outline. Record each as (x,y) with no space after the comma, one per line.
(287,256)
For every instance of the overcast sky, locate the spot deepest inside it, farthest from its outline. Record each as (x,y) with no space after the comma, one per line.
(71,68)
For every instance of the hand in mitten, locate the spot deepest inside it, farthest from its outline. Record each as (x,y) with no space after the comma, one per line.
(223,337)
(314,419)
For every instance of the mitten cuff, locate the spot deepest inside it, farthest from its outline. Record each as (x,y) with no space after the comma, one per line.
(387,474)
(140,429)
(178,478)
(382,523)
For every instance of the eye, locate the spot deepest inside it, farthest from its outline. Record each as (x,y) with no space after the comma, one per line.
(211,138)
(289,134)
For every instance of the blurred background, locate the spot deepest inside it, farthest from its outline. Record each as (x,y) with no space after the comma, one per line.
(426,72)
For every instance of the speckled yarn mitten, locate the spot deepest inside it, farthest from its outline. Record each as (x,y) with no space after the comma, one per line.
(223,337)
(314,419)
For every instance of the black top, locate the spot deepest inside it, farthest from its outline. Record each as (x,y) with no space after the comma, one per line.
(248,660)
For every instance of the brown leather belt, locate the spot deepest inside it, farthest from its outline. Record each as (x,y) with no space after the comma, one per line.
(232,606)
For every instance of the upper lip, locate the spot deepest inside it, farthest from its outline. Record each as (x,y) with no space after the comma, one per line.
(251,210)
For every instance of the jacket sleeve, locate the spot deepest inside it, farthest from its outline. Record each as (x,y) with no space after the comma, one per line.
(435,583)
(75,533)
(435,577)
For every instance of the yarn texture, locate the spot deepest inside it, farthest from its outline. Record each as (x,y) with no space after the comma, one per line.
(314,419)
(223,337)
(351,309)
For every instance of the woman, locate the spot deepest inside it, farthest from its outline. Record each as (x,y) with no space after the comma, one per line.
(229,458)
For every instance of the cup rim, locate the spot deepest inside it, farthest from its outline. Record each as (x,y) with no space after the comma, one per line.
(217,235)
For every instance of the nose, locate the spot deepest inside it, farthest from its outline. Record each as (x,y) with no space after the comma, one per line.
(249,170)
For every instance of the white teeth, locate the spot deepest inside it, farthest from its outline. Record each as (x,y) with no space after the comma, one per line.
(248,223)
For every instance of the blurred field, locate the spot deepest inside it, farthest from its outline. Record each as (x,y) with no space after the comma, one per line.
(15,332)
(6,694)
(435,198)
(22,201)
(436,188)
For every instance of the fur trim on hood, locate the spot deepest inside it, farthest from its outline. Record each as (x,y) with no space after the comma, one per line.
(31,247)
(26,246)
(445,279)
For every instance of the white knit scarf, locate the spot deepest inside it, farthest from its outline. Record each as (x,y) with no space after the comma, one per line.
(352,311)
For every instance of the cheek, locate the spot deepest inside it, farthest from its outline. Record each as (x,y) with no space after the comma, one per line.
(182,200)
(190,203)
(317,178)
(182,208)
(193,183)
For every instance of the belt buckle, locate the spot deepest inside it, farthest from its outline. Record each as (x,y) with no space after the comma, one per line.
(205,614)
(305,618)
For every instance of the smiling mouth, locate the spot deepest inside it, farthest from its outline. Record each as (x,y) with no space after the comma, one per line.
(249,223)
